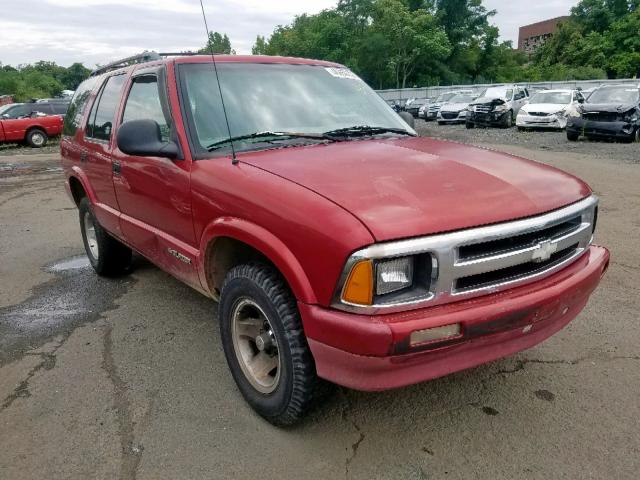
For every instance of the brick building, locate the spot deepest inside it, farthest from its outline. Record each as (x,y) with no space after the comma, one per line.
(533,36)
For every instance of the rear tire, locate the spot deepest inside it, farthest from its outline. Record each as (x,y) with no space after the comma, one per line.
(36,138)
(572,136)
(107,256)
(265,345)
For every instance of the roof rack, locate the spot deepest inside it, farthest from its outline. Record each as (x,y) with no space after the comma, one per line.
(146,56)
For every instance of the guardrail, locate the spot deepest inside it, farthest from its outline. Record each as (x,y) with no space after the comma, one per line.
(431,92)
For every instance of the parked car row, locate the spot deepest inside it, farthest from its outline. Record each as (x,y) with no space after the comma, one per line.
(608,111)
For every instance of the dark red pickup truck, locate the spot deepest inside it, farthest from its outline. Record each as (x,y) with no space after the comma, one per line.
(22,122)
(339,245)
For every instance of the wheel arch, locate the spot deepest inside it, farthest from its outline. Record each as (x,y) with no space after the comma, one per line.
(79,186)
(228,242)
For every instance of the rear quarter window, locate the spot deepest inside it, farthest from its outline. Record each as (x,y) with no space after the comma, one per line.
(77,107)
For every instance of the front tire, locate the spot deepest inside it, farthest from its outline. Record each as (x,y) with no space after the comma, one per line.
(572,136)
(265,345)
(508,120)
(36,138)
(107,256)
(469,125)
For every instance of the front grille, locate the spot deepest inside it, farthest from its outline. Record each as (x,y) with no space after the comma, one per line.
(601,116)
(526,240)
(449,115)
(483,108)
(509,274)
(539,114)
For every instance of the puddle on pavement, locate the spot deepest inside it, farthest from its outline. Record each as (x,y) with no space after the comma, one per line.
(73,263)
(75,297)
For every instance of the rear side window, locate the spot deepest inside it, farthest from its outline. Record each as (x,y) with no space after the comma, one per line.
(143,103)
(104,110)
(77,107)
(59,108)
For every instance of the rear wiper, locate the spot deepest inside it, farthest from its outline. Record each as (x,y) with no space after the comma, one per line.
(267,134)
(362,130)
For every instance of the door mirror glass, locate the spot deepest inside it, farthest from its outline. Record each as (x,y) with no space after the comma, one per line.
(143,138)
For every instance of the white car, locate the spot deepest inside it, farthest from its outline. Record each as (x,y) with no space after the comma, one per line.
(549,109)
(456,109)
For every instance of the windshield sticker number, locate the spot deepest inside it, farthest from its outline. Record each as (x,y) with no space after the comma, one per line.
(342,73)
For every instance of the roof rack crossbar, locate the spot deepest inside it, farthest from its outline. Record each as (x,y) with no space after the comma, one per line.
(140,58)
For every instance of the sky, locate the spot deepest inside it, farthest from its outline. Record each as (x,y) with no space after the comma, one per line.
(98,31)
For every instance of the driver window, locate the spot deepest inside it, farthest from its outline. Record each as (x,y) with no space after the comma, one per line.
(143,103)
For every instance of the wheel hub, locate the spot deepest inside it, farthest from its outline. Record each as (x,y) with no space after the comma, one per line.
(255,346)
(90,234)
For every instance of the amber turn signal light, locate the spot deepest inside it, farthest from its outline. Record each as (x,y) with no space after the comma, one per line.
(358,288)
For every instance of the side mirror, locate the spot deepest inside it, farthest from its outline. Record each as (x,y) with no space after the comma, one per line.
(142,138)
(5,115)
(408,119)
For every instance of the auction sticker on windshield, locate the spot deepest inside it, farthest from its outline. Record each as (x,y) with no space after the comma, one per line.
(342,73)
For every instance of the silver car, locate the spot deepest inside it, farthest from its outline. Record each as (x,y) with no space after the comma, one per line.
(456,109)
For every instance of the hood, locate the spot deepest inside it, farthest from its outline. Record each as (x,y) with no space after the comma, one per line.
(400,188)
(544,107)
(454,107)
(488,101)
(607,107)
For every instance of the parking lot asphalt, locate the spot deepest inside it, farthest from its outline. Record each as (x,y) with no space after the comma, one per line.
(126,378)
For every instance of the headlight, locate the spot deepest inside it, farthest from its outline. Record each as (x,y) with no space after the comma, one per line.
(394,275)
(630,117)
(501,108)
(574,113)
(562,113)
(387,281)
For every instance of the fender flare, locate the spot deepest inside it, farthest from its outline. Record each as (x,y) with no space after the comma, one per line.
(266,243)
(79,175)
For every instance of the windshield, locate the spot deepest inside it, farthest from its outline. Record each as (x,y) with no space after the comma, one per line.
(498,92)
(304,99)
(621,95)
(445,97)
(552,97)
(463,98)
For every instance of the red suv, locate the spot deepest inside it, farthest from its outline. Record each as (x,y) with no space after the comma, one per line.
(340,245)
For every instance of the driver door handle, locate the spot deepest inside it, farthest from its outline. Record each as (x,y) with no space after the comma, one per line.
(117,167)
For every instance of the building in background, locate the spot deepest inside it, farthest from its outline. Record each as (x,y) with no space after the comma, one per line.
(5,99)
(533,36)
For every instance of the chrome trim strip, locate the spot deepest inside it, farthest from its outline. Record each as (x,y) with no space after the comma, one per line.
(444,251)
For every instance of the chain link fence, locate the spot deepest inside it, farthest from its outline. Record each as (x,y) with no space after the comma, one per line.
(433,92)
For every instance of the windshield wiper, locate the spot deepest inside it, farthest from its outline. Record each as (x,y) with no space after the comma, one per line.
(364,130)
(267,134)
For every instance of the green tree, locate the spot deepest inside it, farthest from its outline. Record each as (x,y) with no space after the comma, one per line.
(218,43)
(414,39)
(260,47)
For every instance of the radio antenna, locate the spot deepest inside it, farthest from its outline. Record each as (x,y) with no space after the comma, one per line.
(234,159)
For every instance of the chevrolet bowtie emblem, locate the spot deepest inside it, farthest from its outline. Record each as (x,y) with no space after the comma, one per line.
(544,251)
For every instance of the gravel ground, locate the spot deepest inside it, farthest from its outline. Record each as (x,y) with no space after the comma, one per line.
(537,140)
(11,149)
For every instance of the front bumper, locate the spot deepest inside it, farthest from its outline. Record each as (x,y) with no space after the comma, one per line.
(371,352)
(589,128)
(530,121)
(488,119)
(460,118)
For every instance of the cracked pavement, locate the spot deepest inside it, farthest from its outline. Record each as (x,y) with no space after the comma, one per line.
(126,378)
